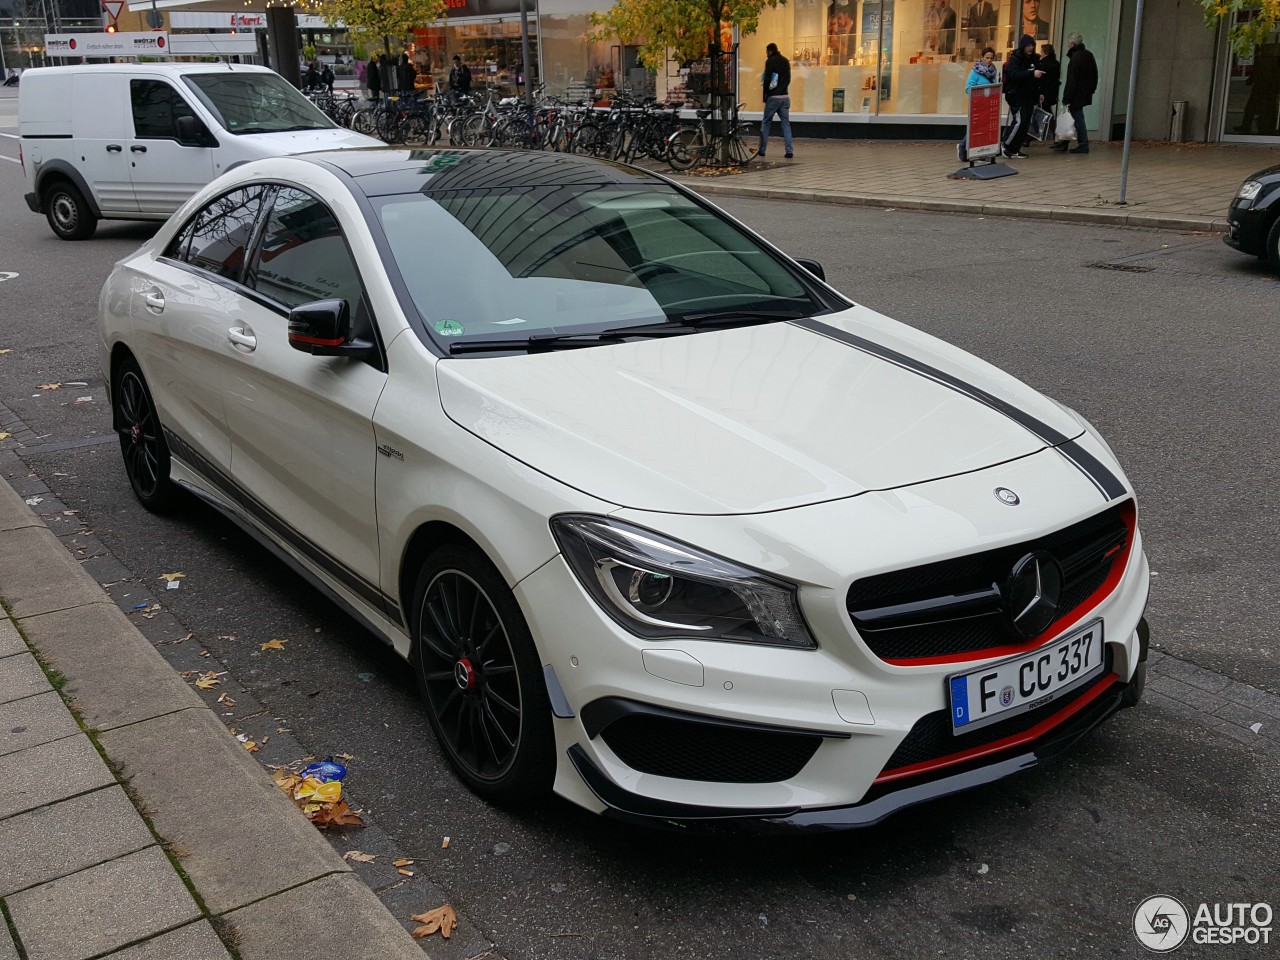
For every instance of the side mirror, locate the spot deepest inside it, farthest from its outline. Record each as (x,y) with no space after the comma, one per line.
(814,267)
(193,133)
(323,329)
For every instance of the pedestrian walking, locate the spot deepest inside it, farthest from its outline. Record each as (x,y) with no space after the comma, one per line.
(374,79)
(311,79)
(1078,91)
(326,78)
(1022,91)
(777,101)
(459,78)
(983,73)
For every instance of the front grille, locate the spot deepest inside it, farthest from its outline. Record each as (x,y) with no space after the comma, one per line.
(690,750)
(1086,551)
(931,737)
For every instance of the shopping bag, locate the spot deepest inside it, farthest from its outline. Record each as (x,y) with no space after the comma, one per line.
(1040,120)
(1066,125)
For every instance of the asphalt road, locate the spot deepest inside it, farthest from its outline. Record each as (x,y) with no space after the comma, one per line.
(1174,359)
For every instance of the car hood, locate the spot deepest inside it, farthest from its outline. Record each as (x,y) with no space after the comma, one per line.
(305,141)
(752,419)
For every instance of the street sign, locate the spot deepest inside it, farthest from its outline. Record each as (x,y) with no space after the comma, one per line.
(113,8)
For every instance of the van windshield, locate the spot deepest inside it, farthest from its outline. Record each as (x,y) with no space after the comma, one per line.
(256,102)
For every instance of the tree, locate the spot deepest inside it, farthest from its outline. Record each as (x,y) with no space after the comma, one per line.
(685,30)
(381,19)
(1246,34)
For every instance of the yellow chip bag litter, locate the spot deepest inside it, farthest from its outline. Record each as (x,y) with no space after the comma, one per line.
(318,790)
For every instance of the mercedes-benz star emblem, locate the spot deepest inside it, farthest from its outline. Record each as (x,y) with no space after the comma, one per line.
(1007,496)
(1032,593)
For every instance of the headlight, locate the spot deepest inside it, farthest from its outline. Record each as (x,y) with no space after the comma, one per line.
(1249,190)
(662,589)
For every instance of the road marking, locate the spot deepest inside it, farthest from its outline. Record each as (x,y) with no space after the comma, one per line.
(5,275)
(11,136)
(11,159)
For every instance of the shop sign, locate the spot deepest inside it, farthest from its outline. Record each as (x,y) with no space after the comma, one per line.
(150,44)
(984,121)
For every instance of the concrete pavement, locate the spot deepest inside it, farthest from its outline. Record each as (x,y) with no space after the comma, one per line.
(133,824)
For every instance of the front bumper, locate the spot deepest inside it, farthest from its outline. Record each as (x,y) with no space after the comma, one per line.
(1247,227)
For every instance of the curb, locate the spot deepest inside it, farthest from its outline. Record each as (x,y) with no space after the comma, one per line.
(1113,216)
(209,800)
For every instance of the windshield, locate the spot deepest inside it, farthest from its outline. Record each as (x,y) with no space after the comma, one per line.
(256,102)
(571,259)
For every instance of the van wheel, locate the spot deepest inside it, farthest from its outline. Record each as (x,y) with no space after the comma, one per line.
(69,215)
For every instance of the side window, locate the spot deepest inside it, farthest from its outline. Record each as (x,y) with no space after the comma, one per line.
(156,109)
(304,258)
(217,237)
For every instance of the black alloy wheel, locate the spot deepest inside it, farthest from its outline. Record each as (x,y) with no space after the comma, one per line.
(146,455)
(68,212)
(480,675)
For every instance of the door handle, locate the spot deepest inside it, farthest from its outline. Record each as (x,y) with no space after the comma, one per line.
(238,336)
(138,148)
(114,148)
(154,300)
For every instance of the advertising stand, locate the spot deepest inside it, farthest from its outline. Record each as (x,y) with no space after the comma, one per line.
(983,136)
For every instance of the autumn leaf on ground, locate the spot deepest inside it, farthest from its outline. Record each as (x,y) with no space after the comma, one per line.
(207,681)
(5,436)
(170,577)
(359,857)
(338,815)
(50,386)
(273,645)
(251,746)
(441,918)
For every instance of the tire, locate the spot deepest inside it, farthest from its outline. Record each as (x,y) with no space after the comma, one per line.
(685,147)
(142,443)
(364,121)
(481,678)
(1273,246)
(585,139)
(740,150)
(68,212)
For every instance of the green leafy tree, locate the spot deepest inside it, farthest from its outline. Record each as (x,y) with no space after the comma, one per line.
(1246,34)
(380,20)
(684,30)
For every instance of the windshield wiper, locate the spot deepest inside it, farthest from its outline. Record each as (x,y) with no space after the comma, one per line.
(568,341)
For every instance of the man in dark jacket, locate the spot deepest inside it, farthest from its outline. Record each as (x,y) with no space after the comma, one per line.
(1022,81)
(373,77)
(1077,92)
(776,80)
(459,78)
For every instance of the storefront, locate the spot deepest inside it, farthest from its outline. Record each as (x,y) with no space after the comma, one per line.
(905,62)
(486,35)
(1251,91)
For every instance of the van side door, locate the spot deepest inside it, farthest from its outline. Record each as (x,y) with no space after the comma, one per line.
(101,131)
(164,171)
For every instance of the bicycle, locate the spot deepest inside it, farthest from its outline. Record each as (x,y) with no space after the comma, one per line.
(690,146)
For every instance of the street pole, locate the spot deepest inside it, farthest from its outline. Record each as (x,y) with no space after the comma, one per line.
(1128,117)
(524,52)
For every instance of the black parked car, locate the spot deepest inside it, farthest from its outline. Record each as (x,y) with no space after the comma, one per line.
(1254,217)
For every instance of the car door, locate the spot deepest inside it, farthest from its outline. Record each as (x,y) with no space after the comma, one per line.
(164,172)
(101,123)
(187,302)
(301,426)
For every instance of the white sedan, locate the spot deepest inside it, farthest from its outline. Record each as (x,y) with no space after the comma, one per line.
(662,522)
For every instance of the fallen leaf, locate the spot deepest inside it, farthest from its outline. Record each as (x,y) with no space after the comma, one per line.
(171,576)
(401,863)
(251,746)
(441,918)
(359,857)
(207,681)
(50,386)
(337,815)
(273,645)
(346,756)
(5,436)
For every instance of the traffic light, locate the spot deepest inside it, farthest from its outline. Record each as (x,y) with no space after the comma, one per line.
(111,28)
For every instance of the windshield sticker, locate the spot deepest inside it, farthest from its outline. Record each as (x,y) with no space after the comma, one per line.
(449,328)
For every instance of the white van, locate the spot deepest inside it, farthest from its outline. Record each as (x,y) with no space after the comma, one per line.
(132,141)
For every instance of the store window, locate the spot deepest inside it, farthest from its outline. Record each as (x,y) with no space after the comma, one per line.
(887,57)
(1253,90)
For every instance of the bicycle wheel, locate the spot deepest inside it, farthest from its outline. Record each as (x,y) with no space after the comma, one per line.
(741,145)
(364,121)
(686,147)
(585,139)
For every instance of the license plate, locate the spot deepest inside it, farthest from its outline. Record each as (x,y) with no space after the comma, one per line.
(1002,690)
